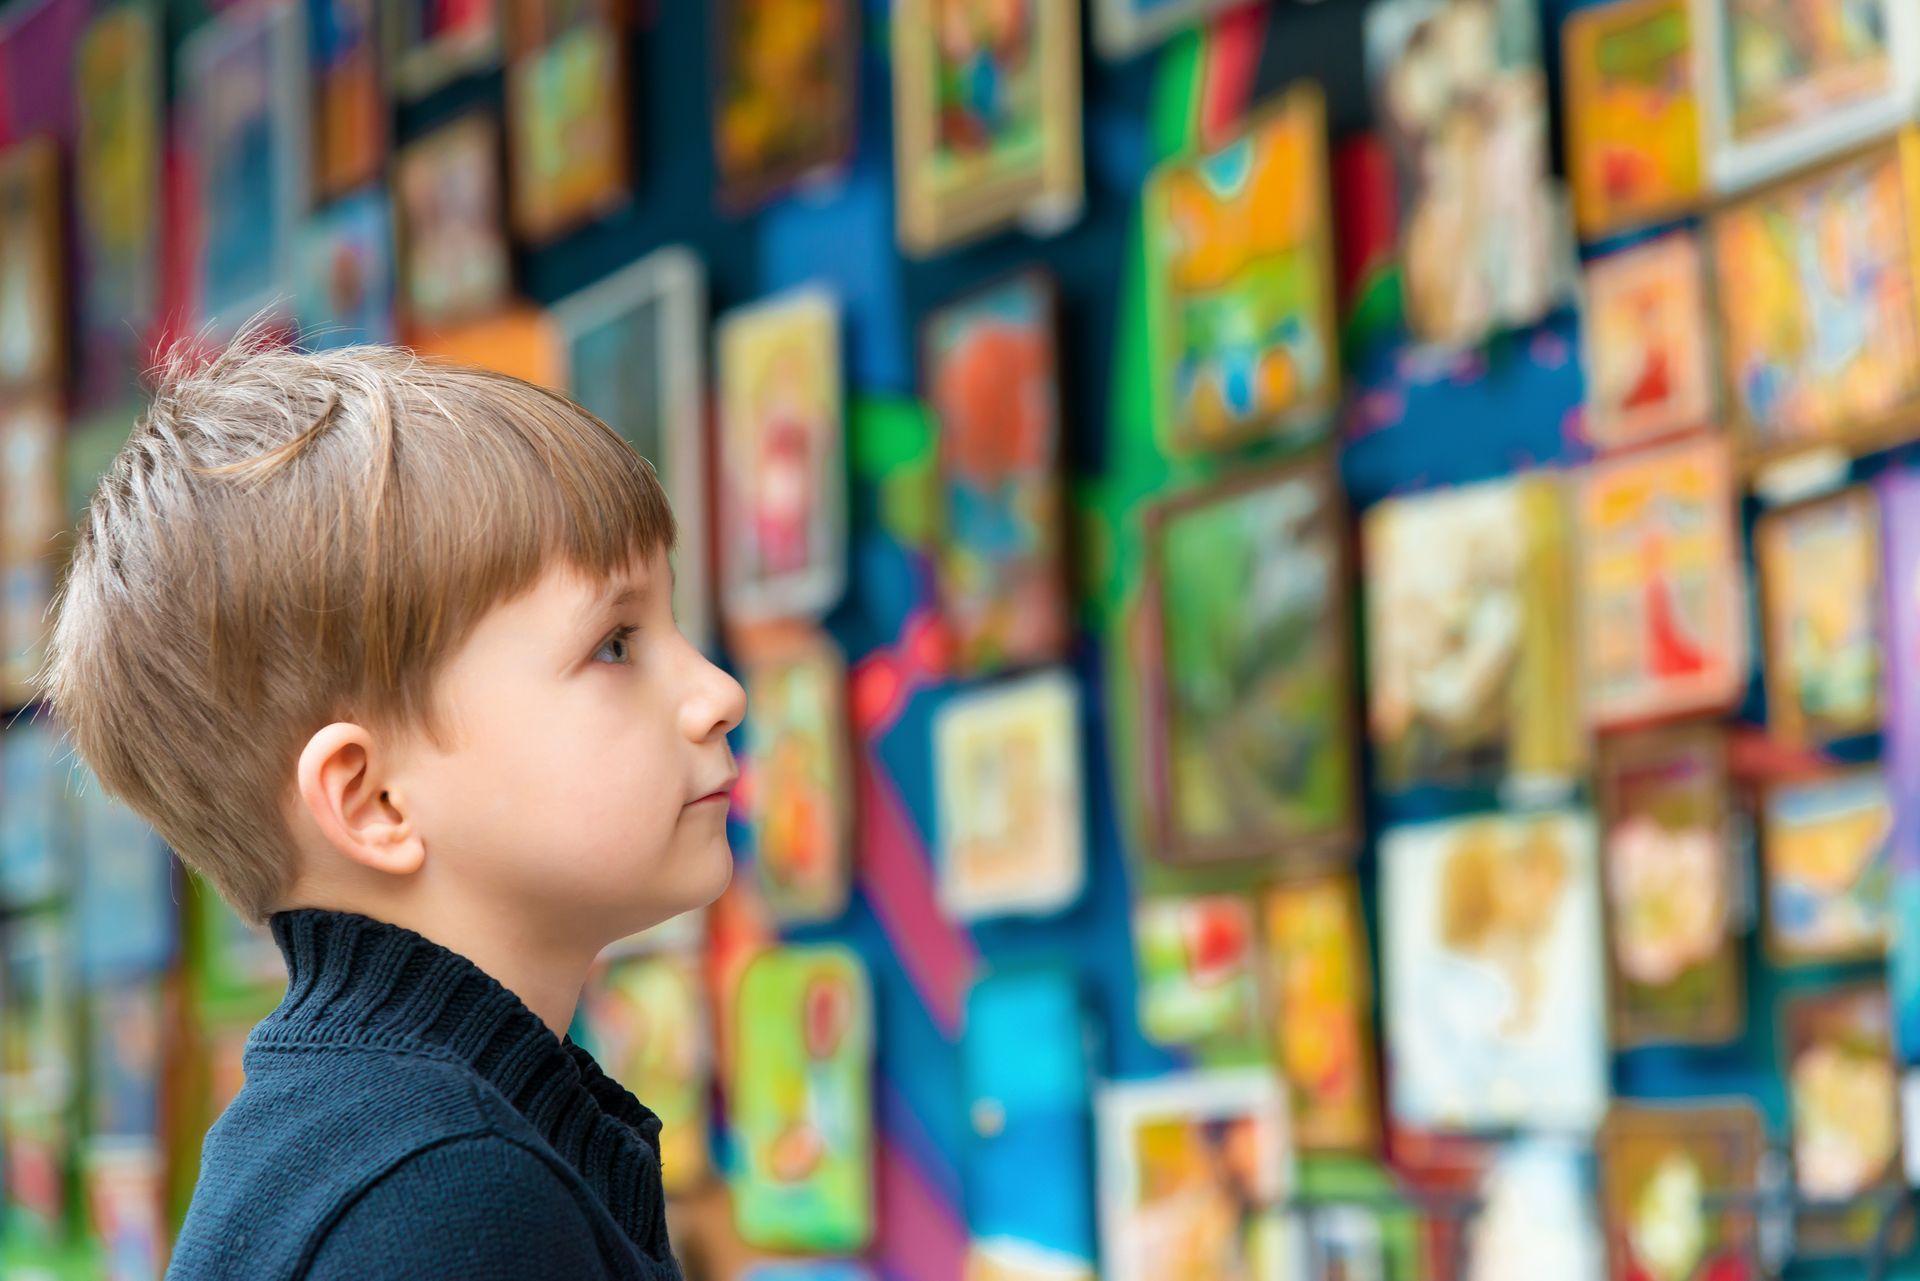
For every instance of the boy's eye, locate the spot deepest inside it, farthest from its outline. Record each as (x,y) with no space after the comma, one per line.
(618,645)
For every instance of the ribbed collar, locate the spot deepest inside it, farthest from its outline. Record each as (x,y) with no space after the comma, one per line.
(354,980)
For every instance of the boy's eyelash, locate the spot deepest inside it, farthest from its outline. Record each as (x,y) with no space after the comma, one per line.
(624,632)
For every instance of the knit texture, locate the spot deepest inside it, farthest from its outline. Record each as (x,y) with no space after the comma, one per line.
(406,1116)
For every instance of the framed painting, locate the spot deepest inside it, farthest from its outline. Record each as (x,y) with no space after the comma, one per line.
(1250,685)
(646,1018)
(351,128)
(1668,874)
(1633,114)
(346,273)
(1662,584)
(1826,849)
(1494,982)
(1462,100)
(1820,593)
(1199,970)
(801,782)
(567,144)
(992,378)
(786,94)
(783,458)
(243,77)
(636,357)
(1820,343)
(1898,490)
(32,268)
(1320,992)
(1469,619)
(1662,1167)
(432,43)
(986,118)
(1649,364)
(1123,28)
(454,265)
(1006,763)
(1242,324)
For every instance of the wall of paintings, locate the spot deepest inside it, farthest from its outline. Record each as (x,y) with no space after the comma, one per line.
(1327,591)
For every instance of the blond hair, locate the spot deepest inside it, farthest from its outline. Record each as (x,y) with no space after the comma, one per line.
(289,539)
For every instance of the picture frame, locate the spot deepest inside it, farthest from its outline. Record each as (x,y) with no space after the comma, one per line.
(352,131)
(1661,1166)
(799,750)
(1124,28)
(1199,972)
(450,224)
(568,148)
(1820,594)
(646,1018)
(1826,849)
(346,293)
(967,167)
(1644,336)
(1320,992)
(785,101)
(33,352)
(431,45)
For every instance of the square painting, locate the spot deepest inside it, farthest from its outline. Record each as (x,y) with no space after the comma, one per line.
(1820,590)
(453,240)
(32,255)
(1649,367)
(1661,1166)
(1843,1093)
(1633,113)
(1827,854)
(346,273)
(116,192)
(1320,993)
(567,110)
(800,794)
(786,93)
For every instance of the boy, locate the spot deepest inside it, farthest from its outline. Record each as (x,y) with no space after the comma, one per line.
(385,650)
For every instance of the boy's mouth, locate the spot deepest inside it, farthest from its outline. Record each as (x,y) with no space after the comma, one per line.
(723,794)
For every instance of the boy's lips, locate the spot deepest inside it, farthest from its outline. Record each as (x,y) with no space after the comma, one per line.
(722,793)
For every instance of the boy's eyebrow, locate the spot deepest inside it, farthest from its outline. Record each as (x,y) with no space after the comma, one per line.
(615,596)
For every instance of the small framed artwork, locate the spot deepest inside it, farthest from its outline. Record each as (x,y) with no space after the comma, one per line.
(1006,762)
(786,94)
(1247,586)
(116,181)
(567,148)
(636,358)
(1826,849)
(351,111)
(801,1099)
(986,118)
(32,257)
(1662,582)
(1820,343)
(1240,285)
(646,1017)
(783,458)
(244,79)
(1194,1170)
(1495,989)
(432,44)
(1199,970)
(1662,1169)
(1123,28)
(1633,114)
(992,377)
(1782,91)
(346,273)
(1321,994)
(801,796)
(1650,370)
(454,265)
(1469,619)
(1820,593)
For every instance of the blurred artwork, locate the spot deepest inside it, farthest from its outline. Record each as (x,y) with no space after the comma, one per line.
(1536,1215)
(1240,285)
(801,1099)
(1827,854)
(1648,363)
(1820,344)
(1660,1167)
(646,1018)
(1198,966)
(1123,28)
(453,243)
(1663,592)
(521,341)
(1250,687)
(1667,869)
(33,535)
(986,111)
(125,1186)
(786,93)
(636,359)
(801,780)
(123,906)
(1462,100)
(1320,990)
(33,857)
(1819,565)
(566,114)
(1193,1171)
(37,1073)
(32,289)
(434,42)
(1006,761)
(116,191)
(993,383)
(1844,1097)
(127,1048)
(1633,114)
(350,134)
(1347,1244)
(346,273)
(1898,490)
(240,968)
(1469,621)
(783,519)
(1494,973)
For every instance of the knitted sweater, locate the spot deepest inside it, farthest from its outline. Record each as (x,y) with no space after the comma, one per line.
(406,1116)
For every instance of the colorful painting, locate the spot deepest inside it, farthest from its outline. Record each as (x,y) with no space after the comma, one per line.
(801,1100)
(125,1187)
(1649,366)
(1240,288)
(1469,620)
(566,115)
(1250,687)
(986,118)
(783,519)
(1668,872)
(116,190)
(1462,100)
(453,242)
(800,779)
(32,312)
(646,1020)
(1320,990)
(1899,493)
(351,112)
(1494,986)
(1123,28)
(1663,589)
(1843,1093)
(33,854)
(522,342)
(1661,1169)
(127,1053)
(1633,114)
(1819,565)
(346,273)
(992,380)
(1193,1171)
(32,535)
(1006,761)
(1820,344)
(786,90)
(432,42)
(1827,854)
(1198,958)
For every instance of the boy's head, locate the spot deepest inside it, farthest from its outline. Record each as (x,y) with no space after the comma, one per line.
(354,630)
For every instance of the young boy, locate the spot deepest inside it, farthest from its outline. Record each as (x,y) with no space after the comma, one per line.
(385,650)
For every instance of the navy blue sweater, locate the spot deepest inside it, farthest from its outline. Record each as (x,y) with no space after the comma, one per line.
(406,1116)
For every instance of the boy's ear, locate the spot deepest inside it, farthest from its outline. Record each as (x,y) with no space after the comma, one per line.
(353,805)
